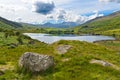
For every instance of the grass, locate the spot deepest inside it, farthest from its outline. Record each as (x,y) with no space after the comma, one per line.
(115,45)
(4,41)
(114,32)
(78,67)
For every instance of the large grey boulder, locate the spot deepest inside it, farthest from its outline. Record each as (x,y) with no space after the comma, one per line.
(36,62)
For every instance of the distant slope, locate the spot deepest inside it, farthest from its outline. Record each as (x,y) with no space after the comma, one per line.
(103,25)
(6,24)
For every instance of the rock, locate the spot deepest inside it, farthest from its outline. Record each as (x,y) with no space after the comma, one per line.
(104,63)
(101,62)
(36,62)
(62,49)
(66,59)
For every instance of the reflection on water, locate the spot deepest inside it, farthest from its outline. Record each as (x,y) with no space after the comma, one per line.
(47,38)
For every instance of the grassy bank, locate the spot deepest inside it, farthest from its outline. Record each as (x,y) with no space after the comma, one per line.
(115,45)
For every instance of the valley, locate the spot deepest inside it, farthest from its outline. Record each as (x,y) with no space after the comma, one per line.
(78,62)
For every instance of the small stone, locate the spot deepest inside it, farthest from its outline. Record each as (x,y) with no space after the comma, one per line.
(104,63)
(101,62)
(66,59)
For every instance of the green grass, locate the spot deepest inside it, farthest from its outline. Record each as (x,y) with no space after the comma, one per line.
(78,67)
(115,45)
(5,41)
(114,32)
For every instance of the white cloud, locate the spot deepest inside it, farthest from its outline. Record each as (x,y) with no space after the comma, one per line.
(58,2)
(118,1)
(69,16)
(20,14)
(41,6)
(96,14)
(12,8)
(21,10)
(60,14)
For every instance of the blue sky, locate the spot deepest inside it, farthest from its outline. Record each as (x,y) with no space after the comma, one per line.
(55,11)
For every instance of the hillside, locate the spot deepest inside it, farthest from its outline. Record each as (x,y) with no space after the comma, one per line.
(6,24)
(73,65)
(108,25)
(14,26)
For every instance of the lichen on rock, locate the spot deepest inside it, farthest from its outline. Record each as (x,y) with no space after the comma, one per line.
(36,62)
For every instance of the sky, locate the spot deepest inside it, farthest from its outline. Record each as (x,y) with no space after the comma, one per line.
(56,11)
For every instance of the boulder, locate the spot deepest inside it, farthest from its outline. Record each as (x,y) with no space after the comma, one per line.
(62,49)
(36,62)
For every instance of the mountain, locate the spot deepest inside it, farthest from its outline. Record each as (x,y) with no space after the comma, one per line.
(6,24)
(113,15)
(108,25)
(60,25)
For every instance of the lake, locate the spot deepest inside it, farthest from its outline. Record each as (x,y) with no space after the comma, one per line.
(47,38)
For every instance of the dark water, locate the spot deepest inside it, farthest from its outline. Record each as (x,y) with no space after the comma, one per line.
(47,38)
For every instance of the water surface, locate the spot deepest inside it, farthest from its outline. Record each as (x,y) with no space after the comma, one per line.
(47,38)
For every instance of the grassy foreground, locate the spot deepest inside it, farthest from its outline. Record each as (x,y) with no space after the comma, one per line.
(77,66)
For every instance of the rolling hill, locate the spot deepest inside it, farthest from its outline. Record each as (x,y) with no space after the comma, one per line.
(108,25)
(6,24)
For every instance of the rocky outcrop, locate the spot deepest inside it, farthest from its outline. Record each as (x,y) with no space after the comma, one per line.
(62,49)
(36,62)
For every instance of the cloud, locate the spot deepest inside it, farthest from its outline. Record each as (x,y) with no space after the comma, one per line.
(43,7)
(96,14)
(11,8)
(19,19)
(67,16)
(117,1)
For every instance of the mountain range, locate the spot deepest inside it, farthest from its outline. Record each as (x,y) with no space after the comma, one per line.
(59,25)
